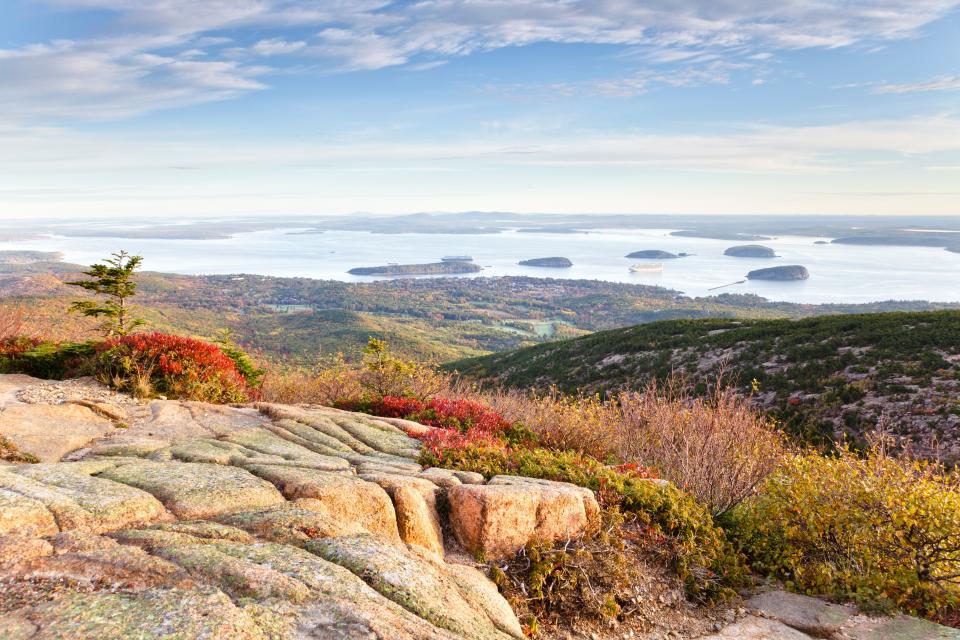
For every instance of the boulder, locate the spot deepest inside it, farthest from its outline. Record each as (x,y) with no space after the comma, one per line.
(810,615)
(500,518)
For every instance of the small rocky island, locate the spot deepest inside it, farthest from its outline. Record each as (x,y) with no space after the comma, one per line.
(429,269)
(821,242)
(653,254)
(555,262)
(750,251)
(786,272)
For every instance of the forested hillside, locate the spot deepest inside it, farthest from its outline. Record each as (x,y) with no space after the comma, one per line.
(824,377)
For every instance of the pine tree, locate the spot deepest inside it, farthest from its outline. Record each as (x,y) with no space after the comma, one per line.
(113,279)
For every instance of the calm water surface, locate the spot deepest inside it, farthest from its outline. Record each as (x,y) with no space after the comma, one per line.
(838,273)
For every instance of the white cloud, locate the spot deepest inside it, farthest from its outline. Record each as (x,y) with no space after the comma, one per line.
(116,75)
(943,83)
(277,47)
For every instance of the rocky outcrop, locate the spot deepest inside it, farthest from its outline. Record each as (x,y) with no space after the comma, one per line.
(499,518)
(266,521)
(275,521)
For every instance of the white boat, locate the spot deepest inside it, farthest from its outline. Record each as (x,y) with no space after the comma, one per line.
(650,267)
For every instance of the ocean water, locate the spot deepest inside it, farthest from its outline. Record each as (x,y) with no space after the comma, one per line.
(838,273)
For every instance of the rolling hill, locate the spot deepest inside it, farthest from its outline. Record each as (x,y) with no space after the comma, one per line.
(825,378)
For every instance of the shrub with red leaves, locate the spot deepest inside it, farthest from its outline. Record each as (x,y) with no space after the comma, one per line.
(149,364)
(15,345)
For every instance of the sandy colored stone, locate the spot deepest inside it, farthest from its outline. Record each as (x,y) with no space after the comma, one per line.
(110,505)
(345,498)
(754,628)
(415,503)
(108,410)
(499,518)
(470,477)
(292,523)
(810,615)
(379,436)
(441,477)
(235,576)
(125,445)
(266,443)
(19,513)
(18,549)
(155,613)
(897,628)
(342,606)
(427,588)
(306,436)
(51,431)
(197,490)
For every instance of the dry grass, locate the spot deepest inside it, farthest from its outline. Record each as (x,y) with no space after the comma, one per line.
(716,446)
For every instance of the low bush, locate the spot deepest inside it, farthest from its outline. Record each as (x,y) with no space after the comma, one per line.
(48,360)
(696,548)
(591,578)
(877,529)
(150,364)
(716,447)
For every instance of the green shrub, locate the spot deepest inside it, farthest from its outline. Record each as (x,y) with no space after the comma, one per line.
(51,360)
(697,549)
(882,531)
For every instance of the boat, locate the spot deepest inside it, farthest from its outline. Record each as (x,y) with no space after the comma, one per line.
(652,267)
(457,258)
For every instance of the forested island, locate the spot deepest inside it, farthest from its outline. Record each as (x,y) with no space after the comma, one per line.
(554,262)
(653,254)
(750,251)
(786,272)
(429,269)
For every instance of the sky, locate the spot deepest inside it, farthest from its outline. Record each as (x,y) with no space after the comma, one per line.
(164,108)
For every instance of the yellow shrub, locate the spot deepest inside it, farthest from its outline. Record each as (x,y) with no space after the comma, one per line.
(877,529)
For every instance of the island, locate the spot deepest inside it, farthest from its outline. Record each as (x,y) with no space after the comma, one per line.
(786,272)
(821,242)
(555,262)
(654,254)
(750,251)
(429,269)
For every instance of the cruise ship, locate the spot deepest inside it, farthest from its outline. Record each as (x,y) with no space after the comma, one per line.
(650,267)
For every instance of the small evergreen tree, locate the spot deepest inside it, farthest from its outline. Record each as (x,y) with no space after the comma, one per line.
(112,278)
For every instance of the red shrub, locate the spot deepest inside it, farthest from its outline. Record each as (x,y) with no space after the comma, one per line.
(174,366)
(15,345)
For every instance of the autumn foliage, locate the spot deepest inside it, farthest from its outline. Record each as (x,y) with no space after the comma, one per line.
(149,364)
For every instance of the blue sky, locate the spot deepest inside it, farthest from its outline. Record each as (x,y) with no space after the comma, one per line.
(179,107)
